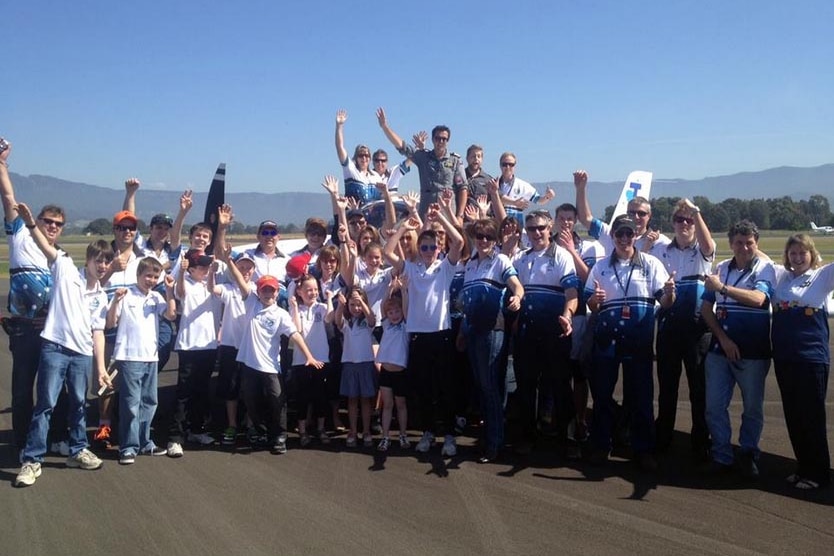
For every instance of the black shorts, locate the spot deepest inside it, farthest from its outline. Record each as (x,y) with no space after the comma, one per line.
(395,380)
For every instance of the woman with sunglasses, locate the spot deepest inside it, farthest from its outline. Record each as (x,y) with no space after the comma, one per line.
(622,290)
(487,277)
(682,335)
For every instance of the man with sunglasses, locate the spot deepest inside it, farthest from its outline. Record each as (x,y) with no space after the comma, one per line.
(682,335)
(438,168)
(30,292)
(639,210)
(622,290)
(517,194)
(542,342)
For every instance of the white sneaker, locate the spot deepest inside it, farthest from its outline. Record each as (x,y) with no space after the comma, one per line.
(202,438)
(29,473)
(174,450)
(84,459)
(61,447)
(449,449)
(424,445)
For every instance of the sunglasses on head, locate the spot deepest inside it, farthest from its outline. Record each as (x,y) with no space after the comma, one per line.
(426,248)
(626,232)
(531,229)
(123,228)
(269,232)
(48,221)
(684,220)
(484,237)
(639,213)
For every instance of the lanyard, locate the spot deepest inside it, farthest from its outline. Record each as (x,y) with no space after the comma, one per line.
(628,282)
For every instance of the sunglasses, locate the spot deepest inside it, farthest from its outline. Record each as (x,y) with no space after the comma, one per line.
(376,160)
(427,248)
(49,221)
(321,233)
(269,233)
(507,164)
(440,138)
(531,229)
(684,220)
(627,233)
(484,237)
(363,155)
(638,213)
(123,228)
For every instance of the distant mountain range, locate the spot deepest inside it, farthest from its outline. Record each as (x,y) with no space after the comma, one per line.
(84,202)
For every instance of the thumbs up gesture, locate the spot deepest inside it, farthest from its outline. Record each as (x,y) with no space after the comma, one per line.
(599,293)
(669,286)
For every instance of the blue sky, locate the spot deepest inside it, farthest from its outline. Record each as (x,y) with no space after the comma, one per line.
(99,91)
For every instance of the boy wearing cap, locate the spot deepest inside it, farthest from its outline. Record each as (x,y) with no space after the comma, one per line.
(196,344)
(260,345)
(622,289)
(135,313)
(269,260)
(231,330)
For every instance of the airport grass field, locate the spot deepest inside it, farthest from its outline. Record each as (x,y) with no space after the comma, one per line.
(771,242)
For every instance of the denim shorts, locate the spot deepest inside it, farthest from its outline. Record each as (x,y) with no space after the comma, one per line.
(358,380)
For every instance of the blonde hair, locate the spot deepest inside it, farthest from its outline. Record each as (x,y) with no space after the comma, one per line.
(804,241)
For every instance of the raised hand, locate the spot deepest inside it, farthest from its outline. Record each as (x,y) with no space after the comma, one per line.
(433,213)
(331,185)
(342,233)
(380,117)
(119,263)
(224,252)
(186,201)
(352,203)
(471,213)
(580,178)
(26,214)
(419,139)
(341,116)
(483,204)
(131,185)
(411,200)
(224,215)
(549,194)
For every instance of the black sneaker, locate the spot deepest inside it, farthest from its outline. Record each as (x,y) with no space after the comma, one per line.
(747,466)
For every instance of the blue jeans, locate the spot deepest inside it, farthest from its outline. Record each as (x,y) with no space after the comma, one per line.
(25,347)
(722,376)
(59,366)
(486,356)
(137,404)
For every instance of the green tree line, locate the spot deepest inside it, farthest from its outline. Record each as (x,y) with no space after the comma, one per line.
(782,213)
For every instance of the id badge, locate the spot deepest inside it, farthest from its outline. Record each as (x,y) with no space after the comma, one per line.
(626,314)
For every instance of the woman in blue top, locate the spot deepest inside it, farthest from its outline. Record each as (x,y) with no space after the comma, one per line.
(801,356)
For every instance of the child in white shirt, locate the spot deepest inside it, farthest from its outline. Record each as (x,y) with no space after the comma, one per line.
(135,311)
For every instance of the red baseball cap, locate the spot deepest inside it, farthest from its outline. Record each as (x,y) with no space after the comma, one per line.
(268,282)
(124,215)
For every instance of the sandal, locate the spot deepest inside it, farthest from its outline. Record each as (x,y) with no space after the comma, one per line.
(793,478)
(806,484)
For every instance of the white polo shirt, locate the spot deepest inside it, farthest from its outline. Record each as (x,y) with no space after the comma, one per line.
(74,311)
(260,346)
(138,328)
(393,348)
(375,287)
(358,340)
(234,314)
(314,331)
(428,295)
(200,320)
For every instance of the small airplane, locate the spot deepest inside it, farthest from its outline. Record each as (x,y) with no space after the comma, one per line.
(822,229)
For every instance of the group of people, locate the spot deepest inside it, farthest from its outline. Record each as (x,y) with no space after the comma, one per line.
(419,317)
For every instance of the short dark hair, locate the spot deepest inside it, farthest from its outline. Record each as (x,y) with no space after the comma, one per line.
(438,128)
(99,248)
(427,234)
(566,207)
(146,264)
(743,228)
(200,226)
(52,209)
